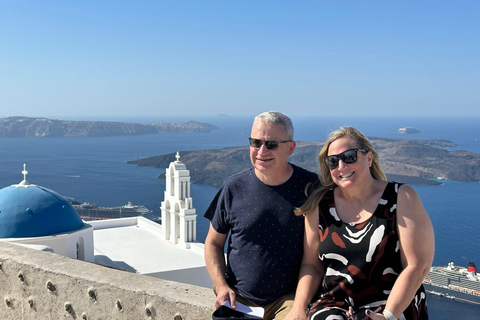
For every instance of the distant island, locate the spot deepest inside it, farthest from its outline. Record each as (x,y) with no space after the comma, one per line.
(408,130)
(14,127)
(413,161)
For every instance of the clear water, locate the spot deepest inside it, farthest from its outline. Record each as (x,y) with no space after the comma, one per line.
(95,170)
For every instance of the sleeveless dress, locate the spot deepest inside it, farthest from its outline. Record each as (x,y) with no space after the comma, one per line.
(361,261)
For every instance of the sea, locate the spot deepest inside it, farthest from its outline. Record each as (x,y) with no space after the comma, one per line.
(95,170)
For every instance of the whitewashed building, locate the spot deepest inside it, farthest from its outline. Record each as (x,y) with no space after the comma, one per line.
(40,218)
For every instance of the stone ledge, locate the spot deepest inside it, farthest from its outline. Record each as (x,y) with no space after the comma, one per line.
(44,285)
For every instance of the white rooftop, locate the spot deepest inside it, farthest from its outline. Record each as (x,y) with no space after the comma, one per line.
(138,244)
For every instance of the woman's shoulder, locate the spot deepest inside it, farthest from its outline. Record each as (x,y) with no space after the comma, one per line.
(408,203)
(402,188)
(405,190)
(398,187)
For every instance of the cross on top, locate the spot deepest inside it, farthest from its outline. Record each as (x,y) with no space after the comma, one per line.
(177,156)
(24,182)
(24,172)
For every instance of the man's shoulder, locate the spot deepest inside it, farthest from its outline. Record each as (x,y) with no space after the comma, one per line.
(238,177)
(299,171)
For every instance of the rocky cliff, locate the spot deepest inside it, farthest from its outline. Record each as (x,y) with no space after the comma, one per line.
(43,127)
(412,161)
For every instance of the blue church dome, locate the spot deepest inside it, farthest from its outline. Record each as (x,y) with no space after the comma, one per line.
(32,211)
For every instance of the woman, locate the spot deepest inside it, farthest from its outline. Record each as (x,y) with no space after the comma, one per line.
(374,239)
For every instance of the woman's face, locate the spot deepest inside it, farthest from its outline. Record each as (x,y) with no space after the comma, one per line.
(348,174)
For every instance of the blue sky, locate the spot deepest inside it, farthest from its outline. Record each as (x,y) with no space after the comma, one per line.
(67,59)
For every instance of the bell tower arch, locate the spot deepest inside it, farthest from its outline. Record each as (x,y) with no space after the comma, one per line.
(179,219)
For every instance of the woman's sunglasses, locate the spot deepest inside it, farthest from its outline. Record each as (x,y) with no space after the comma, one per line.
(348,156)
(269,144)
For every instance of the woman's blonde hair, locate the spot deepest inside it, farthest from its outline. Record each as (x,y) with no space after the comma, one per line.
(326,180)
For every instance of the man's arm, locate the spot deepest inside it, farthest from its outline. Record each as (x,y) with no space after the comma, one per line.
(215,261)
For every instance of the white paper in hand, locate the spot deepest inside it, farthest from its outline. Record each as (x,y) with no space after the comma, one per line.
(254,311)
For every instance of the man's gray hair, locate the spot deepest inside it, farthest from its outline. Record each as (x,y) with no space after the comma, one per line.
(274,118)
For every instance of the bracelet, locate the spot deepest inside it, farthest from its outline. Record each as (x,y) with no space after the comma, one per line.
(388,315)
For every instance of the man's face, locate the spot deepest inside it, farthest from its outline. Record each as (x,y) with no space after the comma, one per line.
(269,162)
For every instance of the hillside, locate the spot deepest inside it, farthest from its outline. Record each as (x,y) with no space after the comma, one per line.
(14,127)
(412,161)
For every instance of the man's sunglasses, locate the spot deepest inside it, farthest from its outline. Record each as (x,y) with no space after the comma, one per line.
(269,144)
(348,156)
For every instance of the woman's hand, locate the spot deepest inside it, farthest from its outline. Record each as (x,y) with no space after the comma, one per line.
(364,315)
(374,315)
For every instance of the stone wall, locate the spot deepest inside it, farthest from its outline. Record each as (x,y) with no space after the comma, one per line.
(44,285)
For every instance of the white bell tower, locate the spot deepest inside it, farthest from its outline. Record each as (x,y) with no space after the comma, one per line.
(179,220)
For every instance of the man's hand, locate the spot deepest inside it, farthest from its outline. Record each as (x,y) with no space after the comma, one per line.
(223,294)
(295,316)
(296,313)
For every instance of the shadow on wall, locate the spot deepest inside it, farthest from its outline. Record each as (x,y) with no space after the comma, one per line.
(44,285)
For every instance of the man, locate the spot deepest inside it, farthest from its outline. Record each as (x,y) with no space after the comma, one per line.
(265,247)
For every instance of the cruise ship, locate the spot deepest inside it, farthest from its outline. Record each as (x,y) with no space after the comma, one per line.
(454,282)
(89,211)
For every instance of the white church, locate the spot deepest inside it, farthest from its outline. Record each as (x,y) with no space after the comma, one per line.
(40,218)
